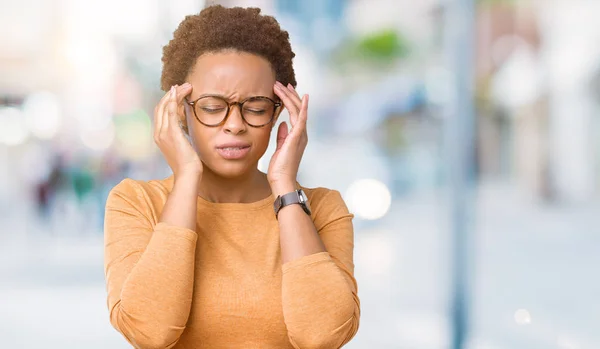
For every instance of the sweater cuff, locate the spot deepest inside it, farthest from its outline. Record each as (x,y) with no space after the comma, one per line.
(177,231)
(305,261)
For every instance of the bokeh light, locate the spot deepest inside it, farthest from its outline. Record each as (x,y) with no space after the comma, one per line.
(42,112)
(522,317)
(98,139)
(13,130)
(369,198)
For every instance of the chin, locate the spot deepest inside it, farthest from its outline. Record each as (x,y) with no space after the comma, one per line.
(231,169)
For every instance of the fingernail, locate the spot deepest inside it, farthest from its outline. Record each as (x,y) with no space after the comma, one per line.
(186,84)
(290,86)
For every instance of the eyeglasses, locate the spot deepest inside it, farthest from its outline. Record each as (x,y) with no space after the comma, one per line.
(213,110)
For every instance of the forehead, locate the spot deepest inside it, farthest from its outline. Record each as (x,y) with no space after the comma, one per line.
(232,74)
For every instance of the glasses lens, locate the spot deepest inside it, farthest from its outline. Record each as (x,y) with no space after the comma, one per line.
(258,111)
(211,110)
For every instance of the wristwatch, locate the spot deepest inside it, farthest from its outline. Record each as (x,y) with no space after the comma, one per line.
(295,197)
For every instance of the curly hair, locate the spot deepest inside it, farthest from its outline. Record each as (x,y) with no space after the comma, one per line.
(217,29)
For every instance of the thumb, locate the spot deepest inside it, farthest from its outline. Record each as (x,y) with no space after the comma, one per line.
(282,133)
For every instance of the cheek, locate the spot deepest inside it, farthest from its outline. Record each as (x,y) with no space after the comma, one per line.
(262,139)
(199,138)
(198,135)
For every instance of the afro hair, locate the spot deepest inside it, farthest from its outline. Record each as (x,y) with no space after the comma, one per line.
(216,29)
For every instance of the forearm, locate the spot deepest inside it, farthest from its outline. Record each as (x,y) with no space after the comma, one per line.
(154,303)
(180,210)
(150,282)
(319,293)
(320,305)
(298,235)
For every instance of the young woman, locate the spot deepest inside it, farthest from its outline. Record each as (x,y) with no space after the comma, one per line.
(220,254)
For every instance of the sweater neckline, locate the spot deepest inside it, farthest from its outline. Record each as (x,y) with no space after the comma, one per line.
(236,206)
(229,206)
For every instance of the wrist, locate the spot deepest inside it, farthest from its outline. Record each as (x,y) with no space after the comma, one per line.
(281,188)
(187,178)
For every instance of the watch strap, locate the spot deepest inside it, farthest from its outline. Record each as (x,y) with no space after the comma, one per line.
(289,199)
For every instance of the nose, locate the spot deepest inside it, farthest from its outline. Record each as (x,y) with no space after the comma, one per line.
(234,123)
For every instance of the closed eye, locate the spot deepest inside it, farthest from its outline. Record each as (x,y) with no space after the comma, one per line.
(211,110)
(255,111)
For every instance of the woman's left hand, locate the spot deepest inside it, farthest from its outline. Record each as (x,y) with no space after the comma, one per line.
(285,162)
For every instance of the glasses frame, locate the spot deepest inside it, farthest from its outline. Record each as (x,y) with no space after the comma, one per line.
(231,104)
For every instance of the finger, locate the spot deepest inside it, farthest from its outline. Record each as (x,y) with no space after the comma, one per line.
(165,110)
(171,119)
(158,112)
(287,102)
(298,99)
(300,126)
(282,133)
(183,91)
(294,96)
(303,116)
(157,119)
(295,101)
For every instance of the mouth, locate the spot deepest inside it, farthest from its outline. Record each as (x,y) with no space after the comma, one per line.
(233,152)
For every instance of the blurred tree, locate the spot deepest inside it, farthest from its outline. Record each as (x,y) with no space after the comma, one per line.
(377,50)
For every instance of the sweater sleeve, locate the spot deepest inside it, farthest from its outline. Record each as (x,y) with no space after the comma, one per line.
(319,293)
(149,270)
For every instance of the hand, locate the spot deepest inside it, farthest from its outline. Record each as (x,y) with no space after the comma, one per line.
(283,168)
(168,135)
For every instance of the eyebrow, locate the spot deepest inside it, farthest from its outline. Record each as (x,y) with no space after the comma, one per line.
(213,95)
(228,99)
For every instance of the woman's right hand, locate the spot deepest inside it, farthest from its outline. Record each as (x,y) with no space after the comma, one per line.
(170,138)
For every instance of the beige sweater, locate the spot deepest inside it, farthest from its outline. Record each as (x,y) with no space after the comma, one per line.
(223,285)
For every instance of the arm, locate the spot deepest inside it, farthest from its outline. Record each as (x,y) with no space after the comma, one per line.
(298,235)
(150,270)
(320,303)
(319,293)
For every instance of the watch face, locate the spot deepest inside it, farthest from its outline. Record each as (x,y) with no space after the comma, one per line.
(304,199)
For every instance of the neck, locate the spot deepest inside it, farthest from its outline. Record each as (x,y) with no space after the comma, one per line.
(250,187)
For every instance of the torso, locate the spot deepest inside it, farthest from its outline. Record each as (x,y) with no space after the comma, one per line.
(237,285)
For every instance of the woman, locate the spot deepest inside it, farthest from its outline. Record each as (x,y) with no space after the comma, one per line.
(220,254)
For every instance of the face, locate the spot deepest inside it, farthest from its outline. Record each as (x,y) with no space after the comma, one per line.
(233,148)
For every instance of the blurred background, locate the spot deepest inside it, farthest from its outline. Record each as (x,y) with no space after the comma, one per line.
(79,80)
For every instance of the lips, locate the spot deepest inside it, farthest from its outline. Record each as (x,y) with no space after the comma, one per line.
(233,150)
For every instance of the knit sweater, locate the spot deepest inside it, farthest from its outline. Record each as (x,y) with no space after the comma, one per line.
(224,285)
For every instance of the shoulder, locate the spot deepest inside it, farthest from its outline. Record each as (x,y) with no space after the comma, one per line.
(326,204)
(139,192)
(322,196)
